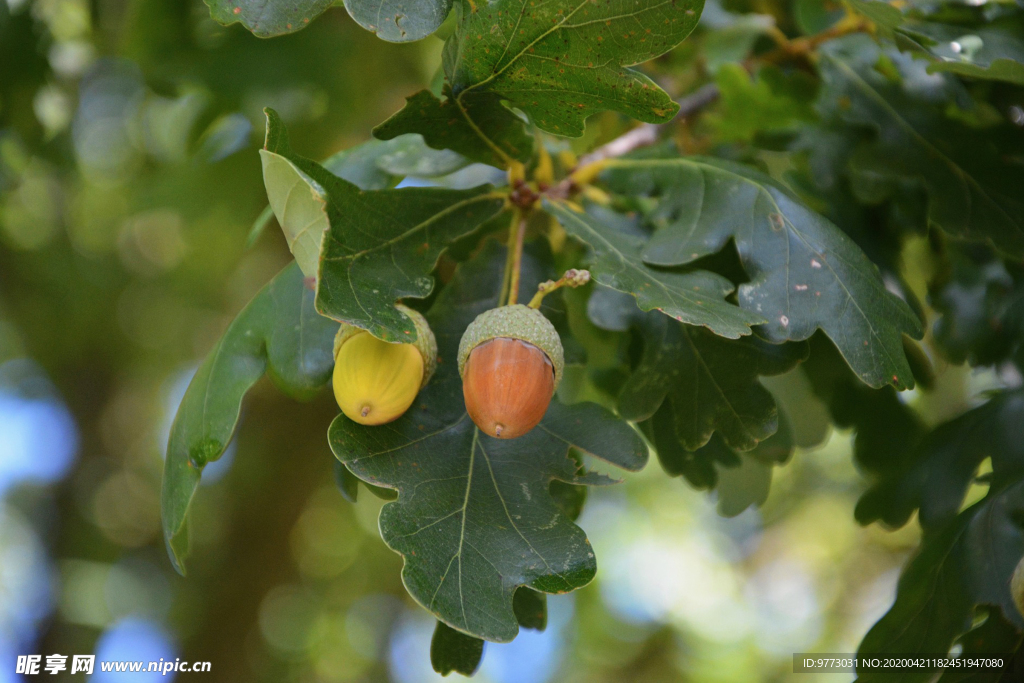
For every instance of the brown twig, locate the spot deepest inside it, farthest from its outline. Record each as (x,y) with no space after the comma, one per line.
(647,133)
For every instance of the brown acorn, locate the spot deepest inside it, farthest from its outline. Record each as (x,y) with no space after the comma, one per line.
(510,359)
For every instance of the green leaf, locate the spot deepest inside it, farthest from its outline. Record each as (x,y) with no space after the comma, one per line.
(451,650)
(530,606)
(770,102)
(379,245)
(696,298)
(297,199)
(557,62)
(372,165)
(951,454)
(973,191)
(560,62)
(965,564)
(980,304)
(268,18)
(888,431)
(742,478)
(409,155)
(731,37)
(474,519)
(805,273)
(711,381)
(399,21)
(992,52)
(884,15)
(446,124)
(382,246)
(278,333)
(995,637)
(749,484)
(965,559)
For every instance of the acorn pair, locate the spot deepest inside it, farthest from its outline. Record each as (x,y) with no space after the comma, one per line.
(510,360)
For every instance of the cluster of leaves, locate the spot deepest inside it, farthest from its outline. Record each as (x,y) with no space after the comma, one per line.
(709,272)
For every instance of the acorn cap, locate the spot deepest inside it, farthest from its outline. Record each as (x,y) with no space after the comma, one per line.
(425,342)
(514,322)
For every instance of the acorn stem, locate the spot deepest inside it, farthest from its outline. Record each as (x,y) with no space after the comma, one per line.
(572,278)
(503,294)
(517,234)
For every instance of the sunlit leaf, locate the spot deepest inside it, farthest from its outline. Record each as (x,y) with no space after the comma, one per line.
(379,246)
(557,62)
(562,61)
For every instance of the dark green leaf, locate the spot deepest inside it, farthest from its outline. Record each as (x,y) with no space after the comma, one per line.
(980,304)
(568,497)
(992,52)
(973,191)
(696,298)
(380,245)
(560,62)
(712,383)
(297,199)
(268,18)
(452,650)
(888,431)
(447,124)
(742,478)
(372,165)
(952,453)
(279,333)
(399,21)
(474,519)
(966,563)
(995,637)
(530,606)
(348,484)
(805,273)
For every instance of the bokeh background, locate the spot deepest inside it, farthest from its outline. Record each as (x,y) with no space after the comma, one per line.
(129,179)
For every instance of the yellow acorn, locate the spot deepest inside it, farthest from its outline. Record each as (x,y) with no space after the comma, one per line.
(376,381)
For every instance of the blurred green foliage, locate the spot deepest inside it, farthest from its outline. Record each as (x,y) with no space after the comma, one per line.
(129,180)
